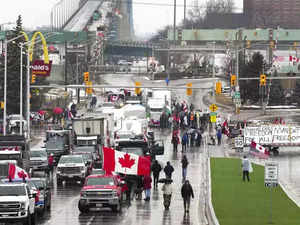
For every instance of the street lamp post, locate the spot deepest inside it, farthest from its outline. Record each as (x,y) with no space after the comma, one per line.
(21,89)
(5,79)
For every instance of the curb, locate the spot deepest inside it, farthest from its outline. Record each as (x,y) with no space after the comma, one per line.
(210,209)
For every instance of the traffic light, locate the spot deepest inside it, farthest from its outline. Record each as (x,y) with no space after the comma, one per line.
(2,105)
(179,35)
(248,44)
(89,90)
(33,77)
(189,90)
(272,44)
(137,89)
(271,34)
(263,80)
(86,77)
(218,87)
(233,80)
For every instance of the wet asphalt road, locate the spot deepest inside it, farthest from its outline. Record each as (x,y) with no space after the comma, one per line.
(65,198)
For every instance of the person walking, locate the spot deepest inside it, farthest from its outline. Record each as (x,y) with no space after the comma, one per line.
(246,164)
(175,142)
(156,168)
(184,163)
(219,136)
(50,163)
(186,193)
(147,187)
(184,141)
(169,169)
(167,193)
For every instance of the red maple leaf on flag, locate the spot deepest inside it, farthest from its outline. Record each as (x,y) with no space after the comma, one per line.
(22,174)
(126,161)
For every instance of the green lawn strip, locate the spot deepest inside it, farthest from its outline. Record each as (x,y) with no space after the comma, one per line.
(248,203)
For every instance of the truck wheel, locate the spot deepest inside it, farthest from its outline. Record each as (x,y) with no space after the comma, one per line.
(117,208)
(275,152)
(49,205)
(82,208)
(27,221)
(33,219)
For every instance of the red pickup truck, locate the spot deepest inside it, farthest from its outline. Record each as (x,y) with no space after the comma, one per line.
(101,191)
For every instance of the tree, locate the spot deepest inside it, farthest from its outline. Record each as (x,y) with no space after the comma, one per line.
(250,88)
(276,93)
(296,94)
(13,71)
(201,17)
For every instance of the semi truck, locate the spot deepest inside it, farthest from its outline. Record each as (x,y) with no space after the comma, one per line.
(92,133)
(14,149)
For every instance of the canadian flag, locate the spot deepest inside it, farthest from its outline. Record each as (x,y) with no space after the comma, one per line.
(126,163)
(294,59)
(258,150)
(15,172)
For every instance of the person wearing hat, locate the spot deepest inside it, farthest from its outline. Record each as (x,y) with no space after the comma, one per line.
(186,193)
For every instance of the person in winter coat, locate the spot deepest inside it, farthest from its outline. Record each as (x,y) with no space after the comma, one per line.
(186,193)
(167,193)
(184,141)
(155,168)
(169,169)
(219,136)
(147,187)
(50,163)
(246,167)
(175,142)
(184,163)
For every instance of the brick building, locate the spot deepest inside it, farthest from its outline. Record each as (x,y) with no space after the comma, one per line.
(272,13)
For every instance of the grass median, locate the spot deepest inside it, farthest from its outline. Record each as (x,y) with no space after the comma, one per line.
(248,203)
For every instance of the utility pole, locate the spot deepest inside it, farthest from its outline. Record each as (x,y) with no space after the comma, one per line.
(184,14)
(77,79)
(174,25)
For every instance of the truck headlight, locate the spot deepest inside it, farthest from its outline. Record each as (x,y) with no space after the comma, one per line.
(83,194)
(58,170)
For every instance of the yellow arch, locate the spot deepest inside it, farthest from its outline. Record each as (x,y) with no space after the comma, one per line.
(25,36)
(45,48)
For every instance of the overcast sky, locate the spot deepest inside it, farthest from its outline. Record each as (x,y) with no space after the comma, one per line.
(148,17)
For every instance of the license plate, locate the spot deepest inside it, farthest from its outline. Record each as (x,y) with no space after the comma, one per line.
(70,176)
(99,205)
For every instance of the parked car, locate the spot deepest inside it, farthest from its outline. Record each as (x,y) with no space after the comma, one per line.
(97,171)
(43,185)
(101,191)
(17,203)
(71,168)
(38,159)
(123,136)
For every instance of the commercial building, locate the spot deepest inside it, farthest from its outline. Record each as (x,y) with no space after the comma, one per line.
(272,13)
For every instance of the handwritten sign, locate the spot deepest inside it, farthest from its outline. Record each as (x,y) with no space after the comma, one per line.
(272,134)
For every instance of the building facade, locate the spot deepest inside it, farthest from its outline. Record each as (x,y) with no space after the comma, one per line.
(272,13)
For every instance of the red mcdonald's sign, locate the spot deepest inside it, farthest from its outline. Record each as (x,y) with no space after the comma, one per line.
(39,68)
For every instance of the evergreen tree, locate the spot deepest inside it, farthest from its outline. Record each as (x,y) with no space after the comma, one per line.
(250,88)
(296,95)
(13,70)
(276,93)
